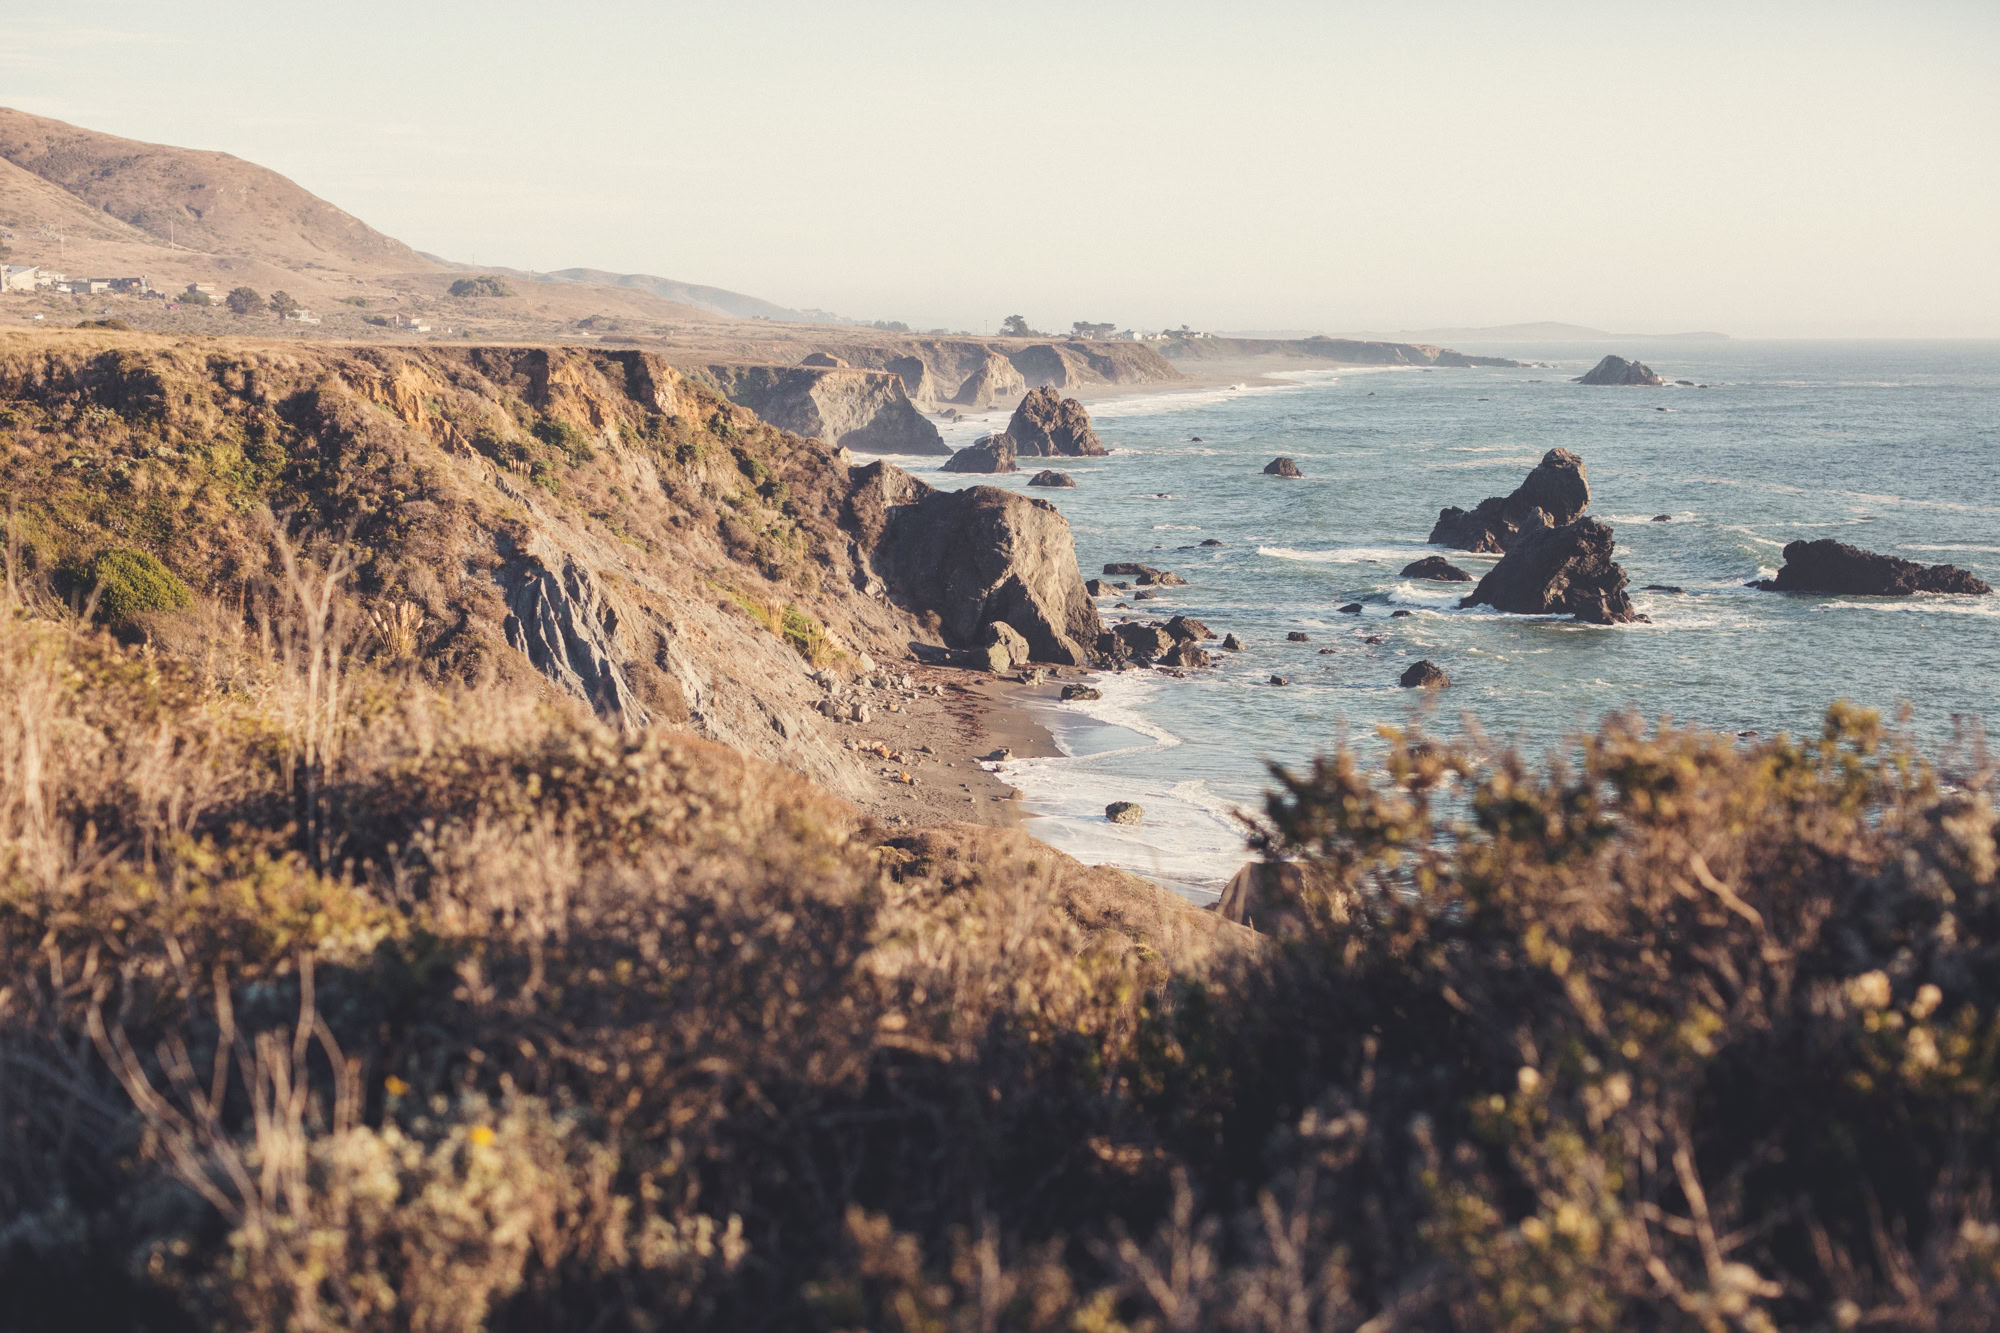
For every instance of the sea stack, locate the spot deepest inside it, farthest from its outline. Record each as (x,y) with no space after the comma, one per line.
(1617,370)
(1282,467)
(1558,489)
(995,453)
(1048,425)
(1559,571)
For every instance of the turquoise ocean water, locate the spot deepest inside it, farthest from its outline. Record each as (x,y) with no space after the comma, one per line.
(1891,446)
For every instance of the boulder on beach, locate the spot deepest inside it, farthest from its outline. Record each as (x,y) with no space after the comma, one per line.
(1559,571)
(1081,692)
(1269,897)
(995,453)
(976,556)
(1617,370)
(1050,477)
(1282,467)
(1003,646)
(1829,566)
(1424,675)
(1436,568)
(1125,812)
(1557,487)
(1048,425)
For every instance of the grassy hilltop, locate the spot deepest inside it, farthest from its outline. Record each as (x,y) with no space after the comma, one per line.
(356,973)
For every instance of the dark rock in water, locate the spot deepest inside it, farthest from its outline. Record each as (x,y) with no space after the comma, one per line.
(1326,652)
(995,453)
(1084,692)
(1096,587)
(1282,467)
(1189,629)
(1194,439)
(1351,609)
(1185,654)
(976,556)
(1210,541)
(1685,383)
(1231,643)
(1663,518)
(1835,567)
(1557,487)
(1143,642)
(1559,571)
(1281,680)
(1424,675)
(1165,578)
(1617,370)
(1372,639)
(1048,425)
(1125,812)
(1297,636)
(1130,570)
(1145,594)
(1399,614)
(1049,477)
(1436,567)
(1662,587)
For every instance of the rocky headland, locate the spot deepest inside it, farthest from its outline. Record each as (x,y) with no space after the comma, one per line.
(1617,370)
(864,410)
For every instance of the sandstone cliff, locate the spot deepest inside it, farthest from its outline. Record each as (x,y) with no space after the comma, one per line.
(864,410)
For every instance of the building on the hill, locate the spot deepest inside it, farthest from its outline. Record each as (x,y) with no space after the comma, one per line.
(129,286)
(19,277)
(301,317)
(410,322)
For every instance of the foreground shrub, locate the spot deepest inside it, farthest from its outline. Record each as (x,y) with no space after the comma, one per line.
(128,583)
(537,1025)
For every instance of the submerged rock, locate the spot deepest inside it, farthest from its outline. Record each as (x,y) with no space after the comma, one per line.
(1424,675)
(1617,370)
(1046,424)
(1559,571)
(1049,477)
(1437,568)
(1557,487)
(1835,567)
(1282,467)
(995,453)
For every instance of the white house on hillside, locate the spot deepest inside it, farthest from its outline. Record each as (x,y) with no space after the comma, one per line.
(19,277)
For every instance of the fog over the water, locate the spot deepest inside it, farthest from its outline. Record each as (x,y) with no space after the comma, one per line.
(1778,169)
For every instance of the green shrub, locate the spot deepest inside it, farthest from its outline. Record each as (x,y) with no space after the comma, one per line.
(129,583)
(118,325)
(481,286)
(807,636)
(562,435)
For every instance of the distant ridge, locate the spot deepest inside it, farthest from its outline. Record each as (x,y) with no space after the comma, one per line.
(717,299)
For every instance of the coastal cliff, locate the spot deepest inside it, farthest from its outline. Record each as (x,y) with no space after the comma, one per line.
(1339,351)
(865,410)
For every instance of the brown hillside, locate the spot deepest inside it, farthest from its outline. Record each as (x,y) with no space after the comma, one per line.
(202,200)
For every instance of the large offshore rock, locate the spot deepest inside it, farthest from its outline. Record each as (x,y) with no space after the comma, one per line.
(1557,487)
(975,557)
(1617,370)
(1559,571)
(1049,425)
(1835,567)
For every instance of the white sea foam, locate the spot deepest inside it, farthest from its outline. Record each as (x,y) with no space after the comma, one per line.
(1177,527)
(1951,606)
(1961,546)
(1350,555)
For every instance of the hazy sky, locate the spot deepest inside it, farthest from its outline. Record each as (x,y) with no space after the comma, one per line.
(1759,167)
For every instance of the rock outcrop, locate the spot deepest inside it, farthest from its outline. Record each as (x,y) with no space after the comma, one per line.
(1125,812)
(1048,425)
(827,359)
(1617,370)
(1557,487)
(1049,477)
(977,556)
(864,410)
(1424,675)
(1282,467)
(995,453)
(1565,570)
(1829,566)
(992,380)
(1436,568)
(560,617)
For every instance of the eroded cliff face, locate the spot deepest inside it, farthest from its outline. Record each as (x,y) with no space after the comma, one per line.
(969,372)
(869,411)
(1339,351)
(574,525)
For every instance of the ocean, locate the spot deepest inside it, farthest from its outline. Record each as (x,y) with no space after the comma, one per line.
(1892,446)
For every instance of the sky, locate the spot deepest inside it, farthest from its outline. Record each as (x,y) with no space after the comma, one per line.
(1768,169)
